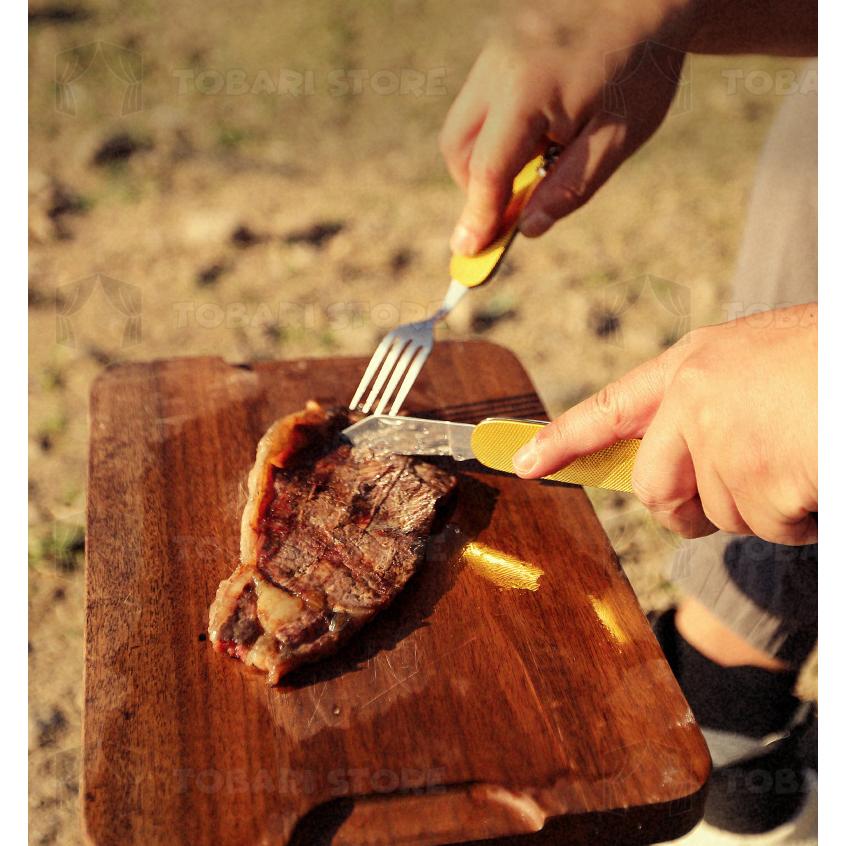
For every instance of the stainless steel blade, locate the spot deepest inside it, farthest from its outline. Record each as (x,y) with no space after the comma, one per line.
(412,436)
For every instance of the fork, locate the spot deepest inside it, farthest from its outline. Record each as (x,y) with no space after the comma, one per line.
(403,351)
(401,354)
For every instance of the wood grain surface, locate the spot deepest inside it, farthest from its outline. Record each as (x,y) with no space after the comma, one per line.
(464,712)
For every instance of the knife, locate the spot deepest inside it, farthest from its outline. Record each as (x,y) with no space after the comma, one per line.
(493,443)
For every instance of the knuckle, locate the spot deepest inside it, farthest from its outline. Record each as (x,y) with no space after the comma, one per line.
(571,197)
(609,405)
(653,499)
(692,389)
(685,349)
(688,338)
(756,467)
(694,345)
(554,434)
(560,199)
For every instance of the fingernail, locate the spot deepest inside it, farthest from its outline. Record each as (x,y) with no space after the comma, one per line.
(535,224)
(525,458)
(463,241)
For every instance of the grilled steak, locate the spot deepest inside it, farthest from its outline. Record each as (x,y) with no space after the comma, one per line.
(330,534)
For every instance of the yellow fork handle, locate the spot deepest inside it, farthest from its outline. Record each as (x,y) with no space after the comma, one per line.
(495,441)
(474,270)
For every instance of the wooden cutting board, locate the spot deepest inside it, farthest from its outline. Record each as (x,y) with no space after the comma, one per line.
(464,712)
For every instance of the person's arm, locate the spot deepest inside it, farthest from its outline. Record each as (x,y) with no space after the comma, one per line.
(728,418)
(772,27)
(595,77)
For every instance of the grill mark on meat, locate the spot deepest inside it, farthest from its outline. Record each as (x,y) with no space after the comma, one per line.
(375,510)
(361,507)
(327,542)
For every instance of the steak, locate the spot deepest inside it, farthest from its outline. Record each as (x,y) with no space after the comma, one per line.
(330,534)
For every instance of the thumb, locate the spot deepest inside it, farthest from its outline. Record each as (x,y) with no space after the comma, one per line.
(622,409)
(506,141)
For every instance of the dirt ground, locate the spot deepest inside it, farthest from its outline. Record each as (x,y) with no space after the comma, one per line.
(264,182)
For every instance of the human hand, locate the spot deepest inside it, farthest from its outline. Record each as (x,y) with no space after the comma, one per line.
(728,417)
(545,81)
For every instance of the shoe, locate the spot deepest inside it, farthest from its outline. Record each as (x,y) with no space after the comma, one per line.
(801,830)
(762,739)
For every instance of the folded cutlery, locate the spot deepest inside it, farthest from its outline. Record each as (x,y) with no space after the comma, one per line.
(493,442)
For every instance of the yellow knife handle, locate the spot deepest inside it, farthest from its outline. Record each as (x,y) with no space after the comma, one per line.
(474,270)
(495,441)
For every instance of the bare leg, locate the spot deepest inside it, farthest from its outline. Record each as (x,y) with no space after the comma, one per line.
(705,632)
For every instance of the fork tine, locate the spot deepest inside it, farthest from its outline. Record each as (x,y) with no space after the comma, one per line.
(410,377)
(373,364)
(387,366)
(399,370)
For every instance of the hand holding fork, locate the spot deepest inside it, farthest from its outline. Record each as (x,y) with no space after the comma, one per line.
(400,356)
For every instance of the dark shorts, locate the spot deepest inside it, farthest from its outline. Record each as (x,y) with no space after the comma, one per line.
(765,592)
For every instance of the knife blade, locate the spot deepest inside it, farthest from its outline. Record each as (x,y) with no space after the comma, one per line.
(493,442)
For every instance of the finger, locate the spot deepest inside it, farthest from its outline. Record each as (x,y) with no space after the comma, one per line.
(507,140)
(803,531)
(799,533)
(775,527)
(581,168)
(623,409)
(775,515)
(664,478)
(464,119)
(687,520)
(718,502)
(463,122)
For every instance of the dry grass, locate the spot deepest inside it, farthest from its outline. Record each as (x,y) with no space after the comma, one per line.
(268,225)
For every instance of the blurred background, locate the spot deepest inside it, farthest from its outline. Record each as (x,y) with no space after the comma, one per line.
(263,181)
